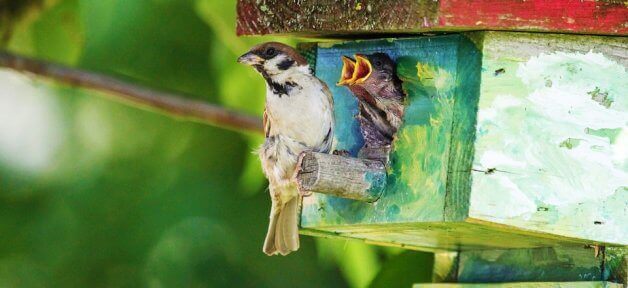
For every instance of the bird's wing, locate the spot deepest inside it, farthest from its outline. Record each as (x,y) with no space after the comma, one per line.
(266,123)
(330,145)
(327,92)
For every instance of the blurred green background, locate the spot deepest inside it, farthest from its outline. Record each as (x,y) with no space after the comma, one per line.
(94,193)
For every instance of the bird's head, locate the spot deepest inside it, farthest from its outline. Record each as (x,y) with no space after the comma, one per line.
(373,68)
(274,58)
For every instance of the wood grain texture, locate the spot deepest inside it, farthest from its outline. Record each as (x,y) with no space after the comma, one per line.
(461,151)
(594,17)
(441,237)
(344,177)
(334,18)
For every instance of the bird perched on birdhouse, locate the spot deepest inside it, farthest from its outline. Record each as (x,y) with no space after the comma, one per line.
(298,117)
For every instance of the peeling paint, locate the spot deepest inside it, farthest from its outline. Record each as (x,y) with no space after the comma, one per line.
(608,133)
(570,143)
(601,97)
(559,125)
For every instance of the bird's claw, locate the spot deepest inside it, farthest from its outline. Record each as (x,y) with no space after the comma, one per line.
(344,153)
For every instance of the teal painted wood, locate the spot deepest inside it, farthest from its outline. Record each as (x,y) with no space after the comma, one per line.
(510,140)
(552,264)
(416,190)
(468,75)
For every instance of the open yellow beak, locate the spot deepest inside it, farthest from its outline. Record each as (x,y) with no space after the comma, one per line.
(362,69)
(346,76)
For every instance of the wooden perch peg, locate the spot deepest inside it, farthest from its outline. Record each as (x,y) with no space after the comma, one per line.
(345,177)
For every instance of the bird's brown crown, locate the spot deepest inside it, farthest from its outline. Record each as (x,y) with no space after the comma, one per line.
(271,49)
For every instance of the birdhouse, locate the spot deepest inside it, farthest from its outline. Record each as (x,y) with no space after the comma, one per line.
(509,140)
(513,144)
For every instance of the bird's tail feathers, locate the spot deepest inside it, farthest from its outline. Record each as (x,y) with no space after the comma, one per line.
(283,231)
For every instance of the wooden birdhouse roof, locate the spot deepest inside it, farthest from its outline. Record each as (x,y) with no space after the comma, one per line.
(337,18)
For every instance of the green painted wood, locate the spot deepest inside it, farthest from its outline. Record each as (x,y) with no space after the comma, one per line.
(445,269)
(510,140)
(539,164)
(590,284)
(441,237)
(467,83)
(616,264)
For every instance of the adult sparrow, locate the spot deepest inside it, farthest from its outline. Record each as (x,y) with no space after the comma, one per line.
(298,117)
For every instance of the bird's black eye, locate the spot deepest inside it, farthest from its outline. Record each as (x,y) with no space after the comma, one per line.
(378,63)
(270,51)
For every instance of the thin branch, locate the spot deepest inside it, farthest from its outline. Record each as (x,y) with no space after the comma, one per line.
(165,102)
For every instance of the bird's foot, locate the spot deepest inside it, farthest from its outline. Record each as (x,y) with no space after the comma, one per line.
(379,153)
(344,153)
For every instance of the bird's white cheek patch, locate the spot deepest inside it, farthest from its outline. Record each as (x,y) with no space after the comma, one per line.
(271,65)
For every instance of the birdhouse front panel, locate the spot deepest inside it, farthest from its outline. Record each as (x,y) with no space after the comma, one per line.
(416,191)
(508,140)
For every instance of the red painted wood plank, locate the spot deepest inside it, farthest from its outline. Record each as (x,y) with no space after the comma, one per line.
(608,17)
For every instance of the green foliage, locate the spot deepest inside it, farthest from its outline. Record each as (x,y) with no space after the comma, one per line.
(357,261)
(94,193)
(404,270)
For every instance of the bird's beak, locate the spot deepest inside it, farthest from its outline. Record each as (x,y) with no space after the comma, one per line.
(346,76)
(250,59)
(362,69)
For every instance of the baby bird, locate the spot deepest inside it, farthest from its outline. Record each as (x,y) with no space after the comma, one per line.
(376,73)
(374,127)
(374,82)
(298,117)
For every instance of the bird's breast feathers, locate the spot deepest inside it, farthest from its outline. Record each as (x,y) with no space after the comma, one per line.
(304,113)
